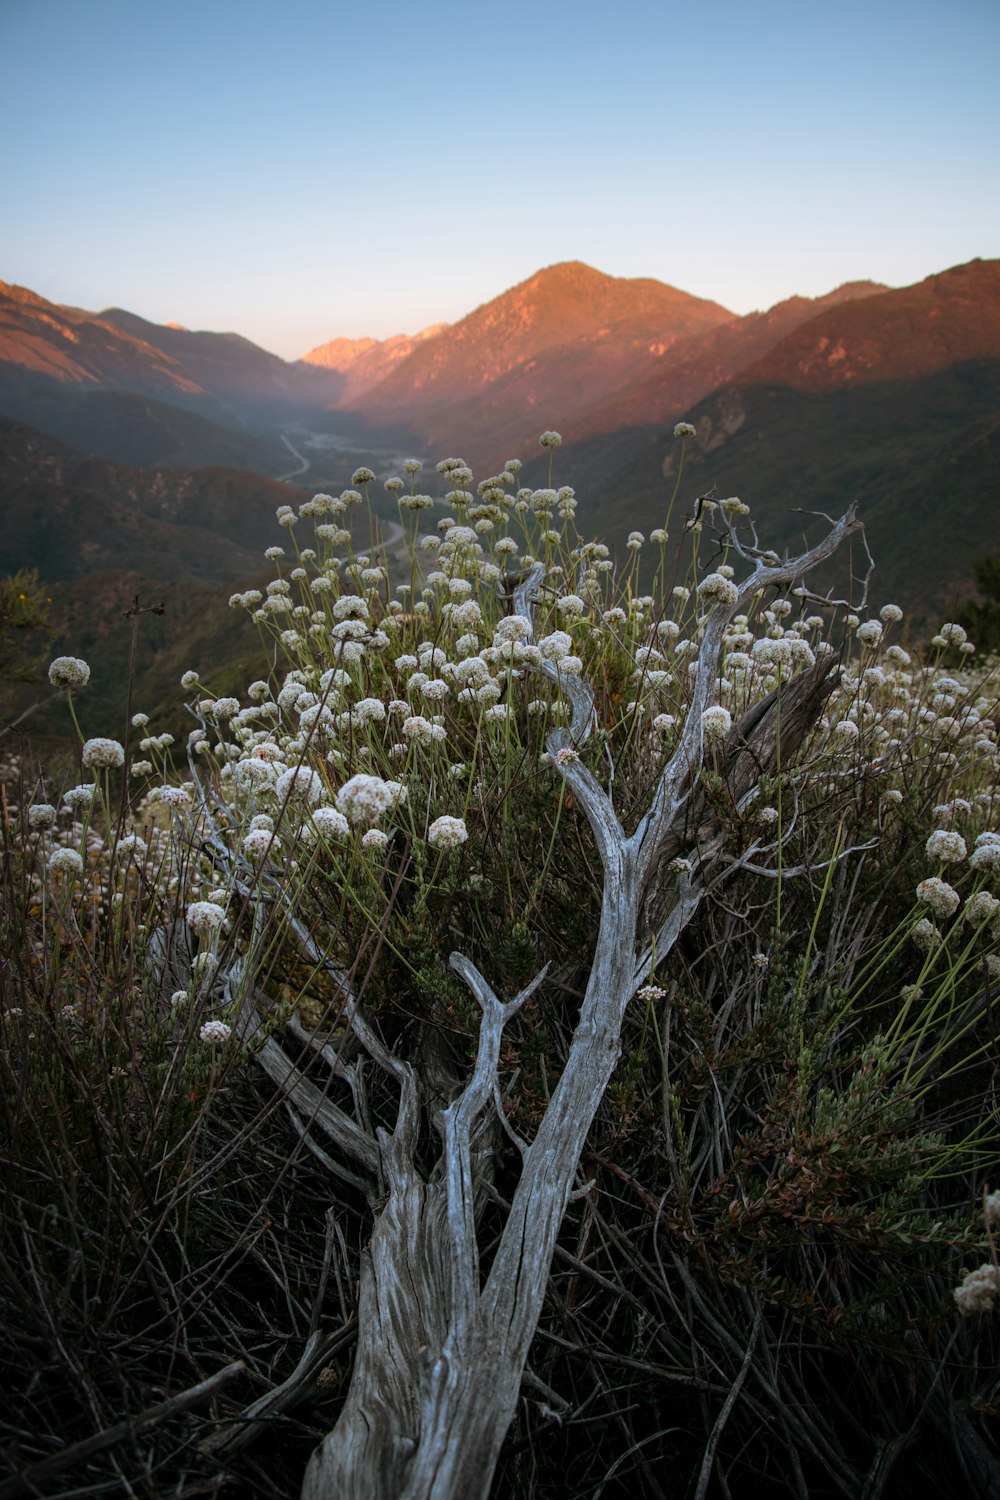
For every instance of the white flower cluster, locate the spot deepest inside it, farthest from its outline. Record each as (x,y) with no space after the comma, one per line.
(716,723)
(941,897)
(717,589)
(102,754)
(363,799)
(447,833)
(216,1032)
(979,1290)
(131,846)
(945,846)
(66,862)
(205,918)
(69,671)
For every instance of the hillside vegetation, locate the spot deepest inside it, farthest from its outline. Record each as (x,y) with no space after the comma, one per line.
(535,1035)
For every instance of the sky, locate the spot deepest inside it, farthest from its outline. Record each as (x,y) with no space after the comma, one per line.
(314,169)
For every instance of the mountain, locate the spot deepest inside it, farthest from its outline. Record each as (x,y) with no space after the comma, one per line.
(696,365)
(70,516)
(127,428)
(43,342)
(100,534)
(364,362)
(892,400)
(259,388)
(902,334)
(47,350)
(568,335)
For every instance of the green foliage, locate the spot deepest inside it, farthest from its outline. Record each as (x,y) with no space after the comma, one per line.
(981,617)
(792,1147)
(26,627)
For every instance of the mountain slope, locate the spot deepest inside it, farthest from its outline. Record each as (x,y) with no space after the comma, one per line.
(69,516)
(48,351)
(75,348)
(257,386)
(921,457)
(944,319)
(566,335)
(362,363)
(128,428)
(698,364)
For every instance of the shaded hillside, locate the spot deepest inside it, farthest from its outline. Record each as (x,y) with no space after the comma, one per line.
(567,335)
(134,429)
(196,629)
(920,456)
(68,515)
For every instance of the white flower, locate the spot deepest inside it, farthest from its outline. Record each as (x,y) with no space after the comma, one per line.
(447,833)
(330,824)
(215,1032)
(204,967)
(78,797)
(683,430)
(66,862)
(556,645)
(416,727)
(260,842)
(374,839)
(716,723)
(945,846)
(715,589)
(991,1209)
(650,992)
(981,908)
(985,857)
(131,845)
(870,633)
(41,815)
(224,708)
(102,754)
(550,439)
(68,671)
(942,898)
(205,918)
(299,784)
(570,666)
(978,1291)
(364,799)
(925,935)
(170,796)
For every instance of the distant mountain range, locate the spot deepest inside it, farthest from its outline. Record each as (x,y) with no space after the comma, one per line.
(890,397)
(363,363)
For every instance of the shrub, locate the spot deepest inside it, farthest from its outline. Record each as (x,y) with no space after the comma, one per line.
(353,939)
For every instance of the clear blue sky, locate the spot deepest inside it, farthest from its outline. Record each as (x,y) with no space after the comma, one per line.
(300,170)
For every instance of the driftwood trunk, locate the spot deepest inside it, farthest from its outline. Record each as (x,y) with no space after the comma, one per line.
(442,1338)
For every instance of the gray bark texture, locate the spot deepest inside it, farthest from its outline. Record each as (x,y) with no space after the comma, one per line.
(442,1338)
